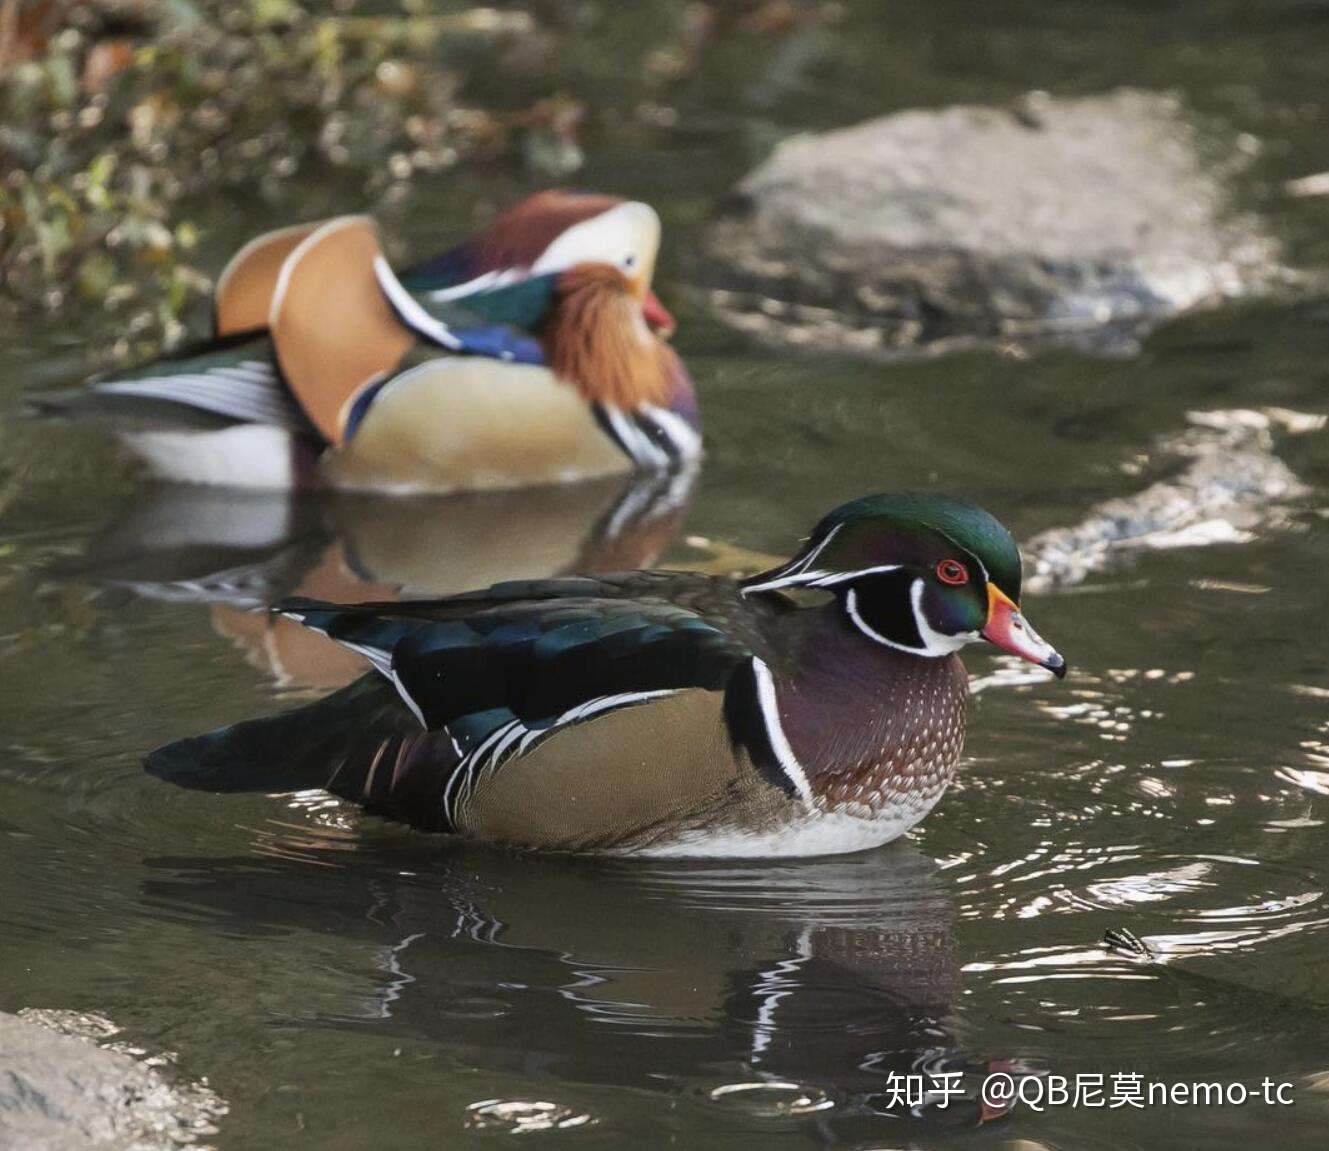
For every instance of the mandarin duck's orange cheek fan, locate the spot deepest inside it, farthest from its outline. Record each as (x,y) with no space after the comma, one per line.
(660,713)
(531,354)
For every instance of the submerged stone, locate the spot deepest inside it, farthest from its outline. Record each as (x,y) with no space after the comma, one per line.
(63,1088)
(1083,220)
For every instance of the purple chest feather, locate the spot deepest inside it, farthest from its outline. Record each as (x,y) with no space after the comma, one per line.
(873,726)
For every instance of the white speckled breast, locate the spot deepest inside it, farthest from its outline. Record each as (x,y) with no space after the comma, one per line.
(879,735)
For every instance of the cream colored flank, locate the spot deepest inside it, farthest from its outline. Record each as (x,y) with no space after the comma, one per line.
(449,425)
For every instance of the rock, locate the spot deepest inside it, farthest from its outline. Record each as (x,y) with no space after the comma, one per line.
(1063,219)
(60,1089)
(1231,487)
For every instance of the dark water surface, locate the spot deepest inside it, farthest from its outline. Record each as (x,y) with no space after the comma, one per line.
(344,983)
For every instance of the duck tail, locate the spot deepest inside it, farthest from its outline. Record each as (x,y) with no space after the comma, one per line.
(314,746)
(235,378)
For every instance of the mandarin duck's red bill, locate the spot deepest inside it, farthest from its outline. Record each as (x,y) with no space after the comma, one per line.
(656,713)
(530,354)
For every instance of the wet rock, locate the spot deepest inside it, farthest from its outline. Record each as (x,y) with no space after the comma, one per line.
(1062,219)
(63,1085)
(1232,486)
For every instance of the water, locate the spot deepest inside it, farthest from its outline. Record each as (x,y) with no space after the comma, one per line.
(342,982)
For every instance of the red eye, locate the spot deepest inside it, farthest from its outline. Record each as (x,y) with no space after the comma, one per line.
(952,572)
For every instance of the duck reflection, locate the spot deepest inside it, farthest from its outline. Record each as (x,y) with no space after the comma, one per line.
(238,552)
(806,989)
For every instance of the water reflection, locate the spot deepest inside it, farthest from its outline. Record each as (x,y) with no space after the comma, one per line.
(796,991)
(238,552)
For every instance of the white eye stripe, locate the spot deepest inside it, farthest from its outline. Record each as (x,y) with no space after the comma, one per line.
(834,578)
(819,578)
(631,227)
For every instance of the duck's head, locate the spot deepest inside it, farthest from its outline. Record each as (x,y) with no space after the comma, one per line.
(919,572)
(546,234)
(625,237)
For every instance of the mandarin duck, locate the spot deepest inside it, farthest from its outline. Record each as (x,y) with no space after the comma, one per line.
(661,713)
(531,354)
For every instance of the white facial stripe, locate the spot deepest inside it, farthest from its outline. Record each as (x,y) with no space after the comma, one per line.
(627,230)
(806,562)
(819,578)
(851,607)
(770,714)
(935,643)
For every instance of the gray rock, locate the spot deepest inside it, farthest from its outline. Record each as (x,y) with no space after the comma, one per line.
(63,1087)
(1063,219)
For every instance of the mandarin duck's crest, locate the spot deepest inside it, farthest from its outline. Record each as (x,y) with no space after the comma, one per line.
(551,232)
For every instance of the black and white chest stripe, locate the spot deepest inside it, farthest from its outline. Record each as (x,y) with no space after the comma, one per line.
(752,714)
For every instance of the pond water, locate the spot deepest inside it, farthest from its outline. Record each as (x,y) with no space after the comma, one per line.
(346,983)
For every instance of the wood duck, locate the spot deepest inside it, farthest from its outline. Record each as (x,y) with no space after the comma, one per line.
(531,354)
(661,713)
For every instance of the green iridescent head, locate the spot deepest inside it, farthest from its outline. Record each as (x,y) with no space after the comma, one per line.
(918,571)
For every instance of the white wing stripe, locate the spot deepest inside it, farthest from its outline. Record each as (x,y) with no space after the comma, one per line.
(514,737)
(483,282)
(409,309)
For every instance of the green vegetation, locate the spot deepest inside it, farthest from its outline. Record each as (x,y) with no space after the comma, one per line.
(114,113)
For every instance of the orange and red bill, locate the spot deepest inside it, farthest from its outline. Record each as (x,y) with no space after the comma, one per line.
(657,316)
(1009,630)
